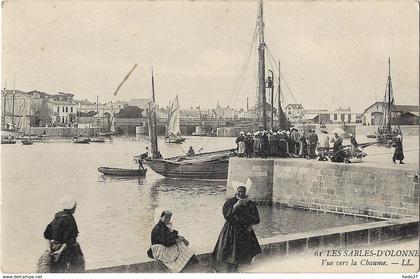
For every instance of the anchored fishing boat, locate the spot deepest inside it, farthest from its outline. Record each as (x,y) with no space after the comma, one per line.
(389,128)
(211,165)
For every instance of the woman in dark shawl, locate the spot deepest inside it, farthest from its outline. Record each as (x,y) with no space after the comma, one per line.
(237,243)
(65,254)
(338,155)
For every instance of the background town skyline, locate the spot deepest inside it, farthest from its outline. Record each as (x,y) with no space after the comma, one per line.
(333,54)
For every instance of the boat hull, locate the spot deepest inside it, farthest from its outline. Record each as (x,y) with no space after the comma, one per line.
(203,170)
(81,140)
(8,141)
(174,140)
(122,172)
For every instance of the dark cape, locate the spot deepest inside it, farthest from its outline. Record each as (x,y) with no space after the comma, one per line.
(63,230)
(338,152)
(398,153)
(237,243)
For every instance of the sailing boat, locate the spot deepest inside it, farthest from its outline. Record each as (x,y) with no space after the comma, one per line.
(173,131)
(211,165)
(97,137)
(387,133)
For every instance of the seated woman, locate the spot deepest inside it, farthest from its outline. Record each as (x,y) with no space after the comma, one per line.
(168,246)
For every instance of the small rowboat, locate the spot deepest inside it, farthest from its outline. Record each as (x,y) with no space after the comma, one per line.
(27,142)
(97,139)
(81,140)
(122,172)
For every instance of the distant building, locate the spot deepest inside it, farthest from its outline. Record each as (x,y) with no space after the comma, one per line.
(341,115)
(404,114)
(294,112)
(18,108)
(64,112)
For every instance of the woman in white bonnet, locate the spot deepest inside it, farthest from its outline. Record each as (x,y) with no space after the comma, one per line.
(65,253)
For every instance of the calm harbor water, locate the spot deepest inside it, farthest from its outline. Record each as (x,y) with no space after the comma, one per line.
(115,216)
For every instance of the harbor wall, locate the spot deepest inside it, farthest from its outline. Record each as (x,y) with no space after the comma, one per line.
(58,131)
(343,188)
(291,244)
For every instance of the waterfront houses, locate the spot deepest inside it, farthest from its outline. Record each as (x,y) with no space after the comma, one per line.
(404,114)
(338,116)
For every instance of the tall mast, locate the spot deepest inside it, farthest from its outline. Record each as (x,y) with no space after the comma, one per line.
(279,110)
(261,68)
(97,111)
(4,109)
(389,96)
(153,132)
(13,103)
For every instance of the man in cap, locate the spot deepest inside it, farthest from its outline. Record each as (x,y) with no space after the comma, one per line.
(168,246)
(312,142)
(65,252)
(237,243)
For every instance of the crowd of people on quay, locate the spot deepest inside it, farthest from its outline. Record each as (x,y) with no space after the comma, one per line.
(297,143)
(293,143)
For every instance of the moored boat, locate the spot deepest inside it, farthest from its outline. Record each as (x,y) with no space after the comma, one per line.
(97,139)
(387,131)
(211,165)
(27,142)
(122,172)
(81,140)
(8,141)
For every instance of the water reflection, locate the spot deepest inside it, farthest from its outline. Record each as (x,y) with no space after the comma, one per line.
(115,214)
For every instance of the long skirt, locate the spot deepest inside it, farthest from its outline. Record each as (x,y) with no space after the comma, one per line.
(70,261)
(175,257)
(241,147)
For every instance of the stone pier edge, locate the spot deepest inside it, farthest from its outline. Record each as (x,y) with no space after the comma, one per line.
(284,245)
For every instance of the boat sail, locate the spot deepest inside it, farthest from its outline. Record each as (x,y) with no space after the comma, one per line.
(173,131)
(388,128)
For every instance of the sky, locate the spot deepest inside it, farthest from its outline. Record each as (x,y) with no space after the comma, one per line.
(332,53)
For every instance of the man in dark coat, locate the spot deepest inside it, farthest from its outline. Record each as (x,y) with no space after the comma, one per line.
(312,142)
(265,145)
(249,145)
(398,153)
(237,243)
(65,252)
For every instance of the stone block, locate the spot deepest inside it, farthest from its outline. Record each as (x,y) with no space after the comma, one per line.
(330,191)
(391,232)
(356,180)
(356,237)
(297,245)
(331,240)
(414,193)
(417,186)
(314,242)
(412,200)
